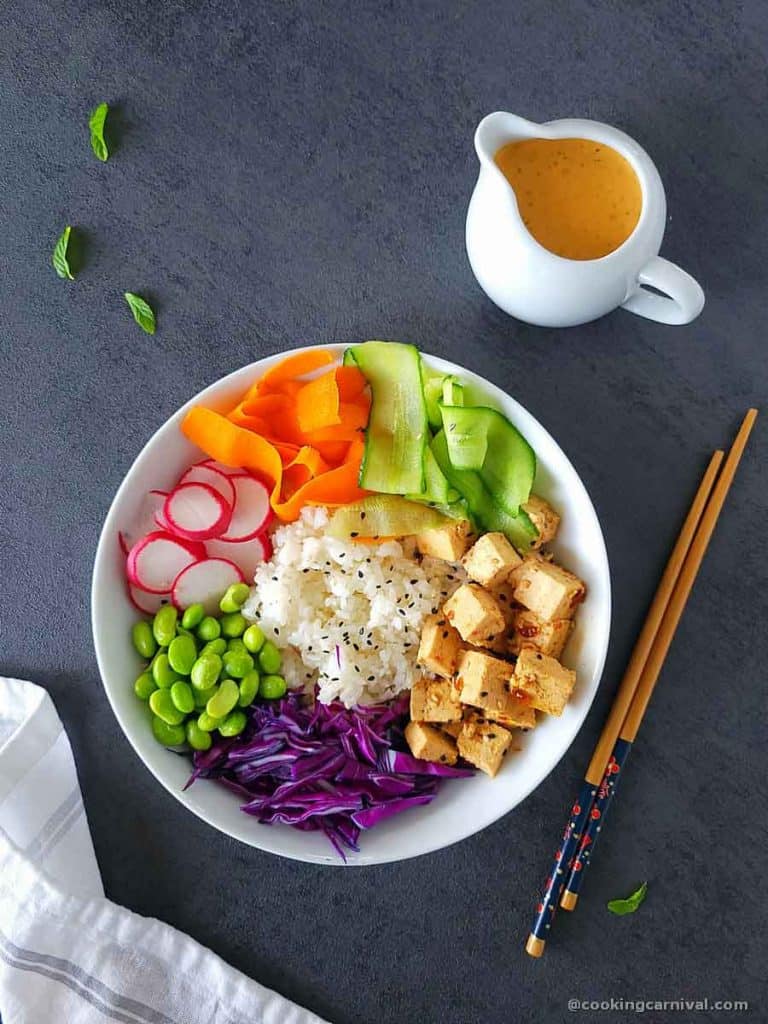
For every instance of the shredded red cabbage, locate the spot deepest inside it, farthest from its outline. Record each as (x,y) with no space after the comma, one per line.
(323,768)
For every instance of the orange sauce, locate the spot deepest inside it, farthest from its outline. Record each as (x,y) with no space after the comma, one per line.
(578,198)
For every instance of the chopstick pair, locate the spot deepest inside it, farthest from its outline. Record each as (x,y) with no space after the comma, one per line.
(604,772)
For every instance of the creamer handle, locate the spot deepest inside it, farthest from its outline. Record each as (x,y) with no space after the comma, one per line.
(686,299)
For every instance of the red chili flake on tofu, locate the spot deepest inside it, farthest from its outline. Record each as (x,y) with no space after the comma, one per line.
(528,631)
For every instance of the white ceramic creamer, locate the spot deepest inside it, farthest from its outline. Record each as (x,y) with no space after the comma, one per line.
(533,284)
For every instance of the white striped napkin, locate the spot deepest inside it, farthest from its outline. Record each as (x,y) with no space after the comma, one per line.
(67,954)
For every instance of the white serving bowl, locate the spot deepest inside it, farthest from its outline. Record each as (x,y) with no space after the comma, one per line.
(462,806)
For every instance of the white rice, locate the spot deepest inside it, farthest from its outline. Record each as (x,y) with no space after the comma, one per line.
(351,613)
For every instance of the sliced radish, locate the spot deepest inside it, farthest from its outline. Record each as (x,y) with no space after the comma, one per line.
(197,512)
(156,560)
(158,499)
(125,547)
(148,518)
(205,583)
(252,512)
(246,554)
(221,468)
(207,473)
(145,602)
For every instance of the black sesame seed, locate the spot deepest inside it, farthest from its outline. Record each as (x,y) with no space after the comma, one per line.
(362,515)
(305,570)
(360,574)
(446,634)
(371,678)
(352,534)
(414,582)
(483,693)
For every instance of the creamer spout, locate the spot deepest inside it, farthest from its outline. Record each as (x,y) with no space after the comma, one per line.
(496,129)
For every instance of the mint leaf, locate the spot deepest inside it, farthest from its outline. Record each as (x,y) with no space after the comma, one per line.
(96,124)
(142,312)
(629,905)
(59,257)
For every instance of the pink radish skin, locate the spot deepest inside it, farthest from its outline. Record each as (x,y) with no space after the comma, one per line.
(145,602)
(156,560)
(207,473)
(197,512)
(125,547)
(252,512)
(246,554)
(204,583)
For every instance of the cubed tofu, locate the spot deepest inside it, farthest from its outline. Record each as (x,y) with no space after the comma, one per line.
(490,560)
(548,590)
(543,681)
(483,681)
(474,613)
(505,598)
(434,700)
(447,542)
(544,518)
(484,745)
(517,714)
(529,630)
(429,743)
(439,646)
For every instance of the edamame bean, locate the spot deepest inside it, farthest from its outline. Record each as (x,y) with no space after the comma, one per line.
(272,687)
(144,639)
(237,663)
(235,597)
(162,672)
(144,686)
(162,705)
(203,696)
(180,631)
(208,723)
(249,688)
(193,616)
(209,629)
(168,735)
(222,702)
(196,737)
(217,646)
(164,624)
(233,724)
(236,644)
(233,624)
(182,654)
(269,658)
(253,638)
(206,671)
(182,697)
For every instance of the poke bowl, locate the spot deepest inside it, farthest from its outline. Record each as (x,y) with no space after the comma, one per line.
(441,717)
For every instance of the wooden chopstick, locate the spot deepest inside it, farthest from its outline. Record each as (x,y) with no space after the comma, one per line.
(614,764)
(601,764)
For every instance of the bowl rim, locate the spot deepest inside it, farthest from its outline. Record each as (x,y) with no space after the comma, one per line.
(471,826)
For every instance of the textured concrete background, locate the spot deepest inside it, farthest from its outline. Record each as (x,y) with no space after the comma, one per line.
(289,173)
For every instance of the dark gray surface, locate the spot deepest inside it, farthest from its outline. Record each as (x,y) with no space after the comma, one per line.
(292,173)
